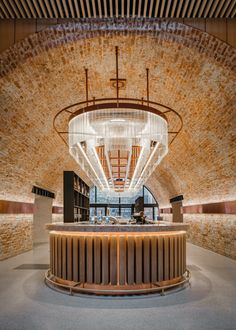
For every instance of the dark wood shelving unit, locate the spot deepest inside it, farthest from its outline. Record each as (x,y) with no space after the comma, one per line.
(76,198)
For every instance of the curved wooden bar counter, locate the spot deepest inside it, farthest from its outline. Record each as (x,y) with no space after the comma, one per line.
(117,259)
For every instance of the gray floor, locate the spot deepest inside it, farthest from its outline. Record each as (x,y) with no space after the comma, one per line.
(26,303)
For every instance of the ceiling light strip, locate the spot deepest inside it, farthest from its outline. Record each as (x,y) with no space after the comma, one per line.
(148,162)
(136,167)
(101,168)
(88,161)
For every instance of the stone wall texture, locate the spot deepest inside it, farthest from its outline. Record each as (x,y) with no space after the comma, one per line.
(216,232)
(16,234)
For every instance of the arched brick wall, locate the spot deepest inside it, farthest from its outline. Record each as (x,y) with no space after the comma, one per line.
(190,71)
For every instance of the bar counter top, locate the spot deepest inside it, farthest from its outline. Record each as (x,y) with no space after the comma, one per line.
(159,226)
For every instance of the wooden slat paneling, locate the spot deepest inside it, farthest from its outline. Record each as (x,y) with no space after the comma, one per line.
(69,259)
(113,260)
(122,260)
(130,260)
(75,259)
(105,260)
(97,260)
(89,259)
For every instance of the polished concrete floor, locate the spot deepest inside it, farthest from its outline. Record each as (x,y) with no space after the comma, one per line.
(26,303)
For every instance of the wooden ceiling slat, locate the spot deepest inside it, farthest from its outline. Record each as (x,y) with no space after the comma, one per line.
(54,8)
(1,13)
(213,7)
(139,8)
(43,8)
(72,9)
(162,8)
(49,8)
(230,8)
(207,8)
(123,8)
(105,7)
(185,8)
(20,9)
(233,12)
(29,2)
(202,8)
(4,10)
(179,8)
(15,9)
(156,8)
(133,9)
(26,8)
(65,8)
(128,8)
(36,6)
(94,9)
(82,7)
(111,8)
(60,8)
(9,8)
(145,8)
(196,8)
(226,5)
(99,8)
(190,9)
(173,8)
(77,9)
(220,5)
(117,9)
(168,8)
(150,9)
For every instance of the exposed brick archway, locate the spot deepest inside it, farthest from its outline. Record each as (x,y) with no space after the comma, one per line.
(191,71)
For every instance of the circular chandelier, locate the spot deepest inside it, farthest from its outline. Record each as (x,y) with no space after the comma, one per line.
(118,142)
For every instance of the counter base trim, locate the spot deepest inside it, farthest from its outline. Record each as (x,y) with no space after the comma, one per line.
(70,287)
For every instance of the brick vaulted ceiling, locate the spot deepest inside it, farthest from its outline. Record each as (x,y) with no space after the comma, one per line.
(190,71)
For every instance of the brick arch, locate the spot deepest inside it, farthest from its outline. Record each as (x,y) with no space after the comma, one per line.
(191,71)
